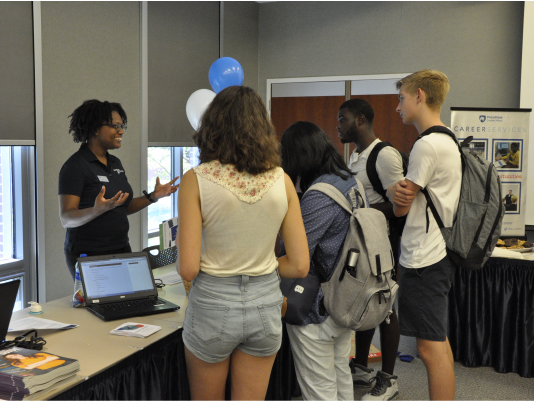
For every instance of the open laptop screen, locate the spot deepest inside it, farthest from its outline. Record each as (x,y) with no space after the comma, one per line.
(116,277)
(8,296)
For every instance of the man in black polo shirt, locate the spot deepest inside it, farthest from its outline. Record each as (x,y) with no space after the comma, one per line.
(95,197)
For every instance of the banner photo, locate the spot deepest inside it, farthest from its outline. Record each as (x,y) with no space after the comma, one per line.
(500,136)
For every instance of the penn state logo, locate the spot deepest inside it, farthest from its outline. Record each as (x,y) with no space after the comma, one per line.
(118,171)
(482,118)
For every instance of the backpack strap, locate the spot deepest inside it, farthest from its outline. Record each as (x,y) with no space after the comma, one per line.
(355,195)
(372,173)
(370,167)
(396,224)
(339,198)
(437,128)
(444,130)
(430,204)
(432,209)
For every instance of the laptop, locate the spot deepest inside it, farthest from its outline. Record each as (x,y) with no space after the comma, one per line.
(8,296)
(121,286)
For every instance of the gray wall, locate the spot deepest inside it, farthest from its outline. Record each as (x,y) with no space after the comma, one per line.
(240,35)
(93,50)
(183,42)
(477,44)
(17,111)
(90,50)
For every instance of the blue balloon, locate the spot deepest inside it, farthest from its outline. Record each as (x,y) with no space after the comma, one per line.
(225,72)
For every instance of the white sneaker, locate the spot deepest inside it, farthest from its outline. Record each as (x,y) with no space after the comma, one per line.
(386,388)
(361,376)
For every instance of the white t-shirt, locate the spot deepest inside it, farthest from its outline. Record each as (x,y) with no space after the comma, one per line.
(435,163)
(388,167)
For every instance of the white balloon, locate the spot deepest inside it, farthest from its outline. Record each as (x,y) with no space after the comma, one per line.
(197,104)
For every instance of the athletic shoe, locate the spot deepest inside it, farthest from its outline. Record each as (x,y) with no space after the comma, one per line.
(386,388)
(361,375)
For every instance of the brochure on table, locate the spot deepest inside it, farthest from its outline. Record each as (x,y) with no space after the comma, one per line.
(168,231)
(500,136)
(132,329)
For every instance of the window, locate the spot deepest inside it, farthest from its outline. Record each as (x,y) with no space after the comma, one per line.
(166,163)
(16,194)
(6,205)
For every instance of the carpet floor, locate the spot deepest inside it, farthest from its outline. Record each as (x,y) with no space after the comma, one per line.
(480,383)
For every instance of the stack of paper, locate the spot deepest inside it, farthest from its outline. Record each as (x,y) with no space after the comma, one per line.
(170,278)
(38,323)
(131,329)
(506,253)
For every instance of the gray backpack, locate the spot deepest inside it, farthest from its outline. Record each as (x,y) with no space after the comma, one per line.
(361,292)
(477,223)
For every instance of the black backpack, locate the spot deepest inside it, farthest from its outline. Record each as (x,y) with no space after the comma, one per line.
(477,223)
(396,224)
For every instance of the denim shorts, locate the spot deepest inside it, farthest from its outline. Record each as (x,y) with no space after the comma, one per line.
(225,313)
(424,300)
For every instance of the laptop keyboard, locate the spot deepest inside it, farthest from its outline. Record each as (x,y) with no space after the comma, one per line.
(131,304)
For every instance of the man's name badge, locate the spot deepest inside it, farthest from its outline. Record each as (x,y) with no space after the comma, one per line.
(103,178)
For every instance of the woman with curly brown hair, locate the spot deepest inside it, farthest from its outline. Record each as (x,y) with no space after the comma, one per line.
(231,208)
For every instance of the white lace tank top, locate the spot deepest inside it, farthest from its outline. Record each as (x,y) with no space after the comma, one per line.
(241,217)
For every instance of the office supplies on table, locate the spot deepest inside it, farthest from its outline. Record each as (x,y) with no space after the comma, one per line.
(37,323)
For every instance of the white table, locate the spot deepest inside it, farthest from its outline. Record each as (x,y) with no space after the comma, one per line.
(91,343)
(116,367)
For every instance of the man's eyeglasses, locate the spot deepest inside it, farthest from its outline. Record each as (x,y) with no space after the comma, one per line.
(117,127)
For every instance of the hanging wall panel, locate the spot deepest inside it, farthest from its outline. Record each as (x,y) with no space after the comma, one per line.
(17,105)
(183,42)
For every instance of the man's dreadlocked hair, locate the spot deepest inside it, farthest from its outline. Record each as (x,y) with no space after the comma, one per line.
(86,119)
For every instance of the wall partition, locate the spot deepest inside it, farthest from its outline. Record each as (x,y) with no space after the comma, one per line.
(527,90)
(17,144)
(150,57)
(90,50)
(183,40)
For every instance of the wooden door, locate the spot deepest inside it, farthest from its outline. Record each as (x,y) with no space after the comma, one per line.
(322,110)
(388,125)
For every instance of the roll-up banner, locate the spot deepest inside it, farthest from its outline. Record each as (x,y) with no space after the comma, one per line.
(500,136)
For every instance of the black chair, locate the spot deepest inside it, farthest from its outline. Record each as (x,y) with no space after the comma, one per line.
(159,258)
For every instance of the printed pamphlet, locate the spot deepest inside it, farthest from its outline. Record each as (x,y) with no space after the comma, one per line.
(132,329)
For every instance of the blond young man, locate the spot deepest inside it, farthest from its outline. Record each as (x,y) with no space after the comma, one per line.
(426,272)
